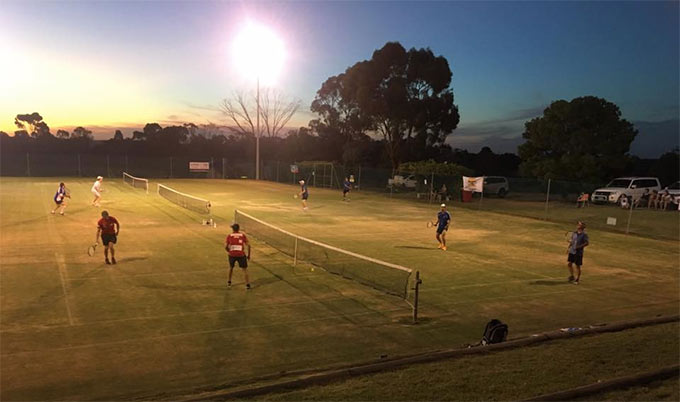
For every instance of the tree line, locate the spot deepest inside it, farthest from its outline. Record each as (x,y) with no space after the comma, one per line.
(394,108)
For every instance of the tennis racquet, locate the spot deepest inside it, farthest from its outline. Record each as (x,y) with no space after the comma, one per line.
(431,224)
(91,250)
(568,236)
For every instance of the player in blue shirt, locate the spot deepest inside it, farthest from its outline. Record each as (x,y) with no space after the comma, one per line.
(59,197)
(443,221)
(346,187)
(579,241)
(304,194)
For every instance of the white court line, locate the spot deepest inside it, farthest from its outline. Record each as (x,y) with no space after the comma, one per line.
(61,262)
(210,331)
(64,277)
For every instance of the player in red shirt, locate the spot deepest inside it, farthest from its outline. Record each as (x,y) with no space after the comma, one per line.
(108,227)
(235,244)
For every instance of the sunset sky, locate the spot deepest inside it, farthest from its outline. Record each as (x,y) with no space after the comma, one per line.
(118,65)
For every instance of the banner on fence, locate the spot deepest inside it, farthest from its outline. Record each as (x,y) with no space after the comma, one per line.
(475,184)
(294,169)
(199,166)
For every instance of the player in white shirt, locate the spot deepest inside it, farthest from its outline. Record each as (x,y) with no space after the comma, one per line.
(97,191)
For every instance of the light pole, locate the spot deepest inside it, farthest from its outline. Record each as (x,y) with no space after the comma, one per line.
(257,134)
(260,54)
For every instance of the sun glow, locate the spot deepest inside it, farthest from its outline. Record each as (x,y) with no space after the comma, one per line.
(259,53)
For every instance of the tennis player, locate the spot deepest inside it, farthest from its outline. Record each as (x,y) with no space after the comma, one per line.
(235,244)
(346,187)
(108,227)
(97,191)
(304,194)
(59,198)
(579,241)
(443,221)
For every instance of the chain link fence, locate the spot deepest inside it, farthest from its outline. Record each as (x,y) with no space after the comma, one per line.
(549,200)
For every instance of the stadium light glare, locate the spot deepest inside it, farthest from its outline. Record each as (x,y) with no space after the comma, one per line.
(258,53)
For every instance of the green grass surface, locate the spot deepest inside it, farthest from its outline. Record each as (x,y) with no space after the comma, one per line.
(162,321)
(519,373)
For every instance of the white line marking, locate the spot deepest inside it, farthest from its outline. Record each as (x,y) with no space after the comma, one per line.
(64,277)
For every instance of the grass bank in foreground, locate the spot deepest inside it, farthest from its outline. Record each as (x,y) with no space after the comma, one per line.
(521,373)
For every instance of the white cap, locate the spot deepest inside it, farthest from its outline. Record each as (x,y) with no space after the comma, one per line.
(302,182)
(443,205)
(99,178)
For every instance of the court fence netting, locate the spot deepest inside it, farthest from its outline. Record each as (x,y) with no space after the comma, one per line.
(184,200)
(136,182)
(384,276)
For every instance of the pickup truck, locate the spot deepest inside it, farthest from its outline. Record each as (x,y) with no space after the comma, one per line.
(401,181)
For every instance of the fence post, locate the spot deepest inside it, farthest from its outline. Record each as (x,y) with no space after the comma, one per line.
(359,179)
(431,187)
(415,297)
(28,165)
(79,171)
(630,216)
(547,200)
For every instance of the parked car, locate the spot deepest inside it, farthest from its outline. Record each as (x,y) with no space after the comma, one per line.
(496,185)
(625,187)
(401,181)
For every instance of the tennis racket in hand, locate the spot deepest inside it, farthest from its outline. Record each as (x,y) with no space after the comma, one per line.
(431,224)
(92,249)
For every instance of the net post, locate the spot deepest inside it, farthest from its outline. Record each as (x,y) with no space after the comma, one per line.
(415,297)
(295,252)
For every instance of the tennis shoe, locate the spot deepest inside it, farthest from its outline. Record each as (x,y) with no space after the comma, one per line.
(575,282)
(439,246)
(113,260)
(444,248)
(107,261)
(570,279)
(228,284)
(248,286)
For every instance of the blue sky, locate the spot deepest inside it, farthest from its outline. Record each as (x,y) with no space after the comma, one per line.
(120,64)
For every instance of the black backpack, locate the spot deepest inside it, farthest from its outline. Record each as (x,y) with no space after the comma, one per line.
(495,332)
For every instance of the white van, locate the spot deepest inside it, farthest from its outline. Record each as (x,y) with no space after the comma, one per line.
(622,187)
(496,185)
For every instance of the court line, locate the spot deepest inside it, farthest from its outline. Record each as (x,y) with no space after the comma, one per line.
(211,331)
(61,262)
(62,274)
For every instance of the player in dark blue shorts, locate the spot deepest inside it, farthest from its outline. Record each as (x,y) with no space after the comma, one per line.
(346,187)
(60,198)
(579,241)
(443,221)
(304,194)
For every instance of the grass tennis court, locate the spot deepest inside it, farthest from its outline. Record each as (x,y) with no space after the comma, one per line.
(162,322)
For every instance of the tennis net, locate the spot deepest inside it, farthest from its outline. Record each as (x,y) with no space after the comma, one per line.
(136,182)
(184,200)
(381,275)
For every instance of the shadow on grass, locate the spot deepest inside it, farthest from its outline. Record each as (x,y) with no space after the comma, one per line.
(417,247)
(556,282)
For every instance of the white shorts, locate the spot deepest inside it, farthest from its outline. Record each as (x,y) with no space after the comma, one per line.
(96,193)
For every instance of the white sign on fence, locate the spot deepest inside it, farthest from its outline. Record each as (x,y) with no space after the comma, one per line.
(611,221)
(199,166)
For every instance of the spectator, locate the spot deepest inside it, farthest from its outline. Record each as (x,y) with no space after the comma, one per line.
(653,202)
(665,200)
